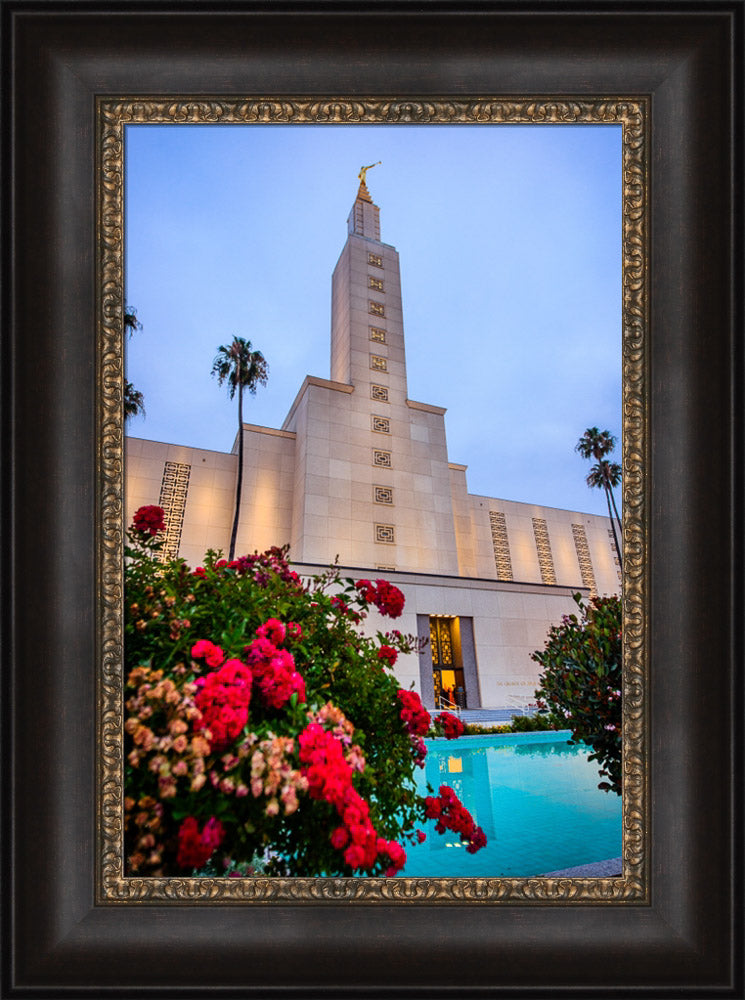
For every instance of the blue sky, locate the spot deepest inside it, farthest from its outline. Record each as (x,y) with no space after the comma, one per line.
(509,239)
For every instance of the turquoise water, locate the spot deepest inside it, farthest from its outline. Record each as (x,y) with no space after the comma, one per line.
(536,798)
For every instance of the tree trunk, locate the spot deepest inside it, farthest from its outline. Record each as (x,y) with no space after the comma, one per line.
(239,483)
(612,522)
(618,518)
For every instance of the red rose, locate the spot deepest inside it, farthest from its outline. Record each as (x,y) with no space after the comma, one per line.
(388,653)
(389,599)
(149,520)
(451,725)
(195,848)
(414,715)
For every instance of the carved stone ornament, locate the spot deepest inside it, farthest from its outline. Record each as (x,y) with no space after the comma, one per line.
(113,887)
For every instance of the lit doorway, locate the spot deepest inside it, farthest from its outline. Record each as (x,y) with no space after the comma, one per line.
(447,665)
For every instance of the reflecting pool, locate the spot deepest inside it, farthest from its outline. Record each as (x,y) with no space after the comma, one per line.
(534,795)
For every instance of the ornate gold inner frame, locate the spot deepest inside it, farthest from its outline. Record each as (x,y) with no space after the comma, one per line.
(112,115)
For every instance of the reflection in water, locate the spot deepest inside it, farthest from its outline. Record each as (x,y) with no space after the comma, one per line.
(538,750)
(537,802)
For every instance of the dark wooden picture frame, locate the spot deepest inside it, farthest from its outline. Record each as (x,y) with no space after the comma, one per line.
(59,58)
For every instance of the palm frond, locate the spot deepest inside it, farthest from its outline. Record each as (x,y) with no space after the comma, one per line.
(134,401)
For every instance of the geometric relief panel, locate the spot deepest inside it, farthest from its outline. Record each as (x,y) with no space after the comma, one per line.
(382,458)
(379,392)
(615,554)
(385,533)
(381,424)
(543,547)
(501,545)
(174,487)
(383,494)
(583,558)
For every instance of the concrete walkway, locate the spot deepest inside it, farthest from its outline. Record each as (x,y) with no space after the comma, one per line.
(614,866)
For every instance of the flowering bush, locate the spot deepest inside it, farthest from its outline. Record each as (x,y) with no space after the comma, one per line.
(450,724)
(581,682)
(261,724)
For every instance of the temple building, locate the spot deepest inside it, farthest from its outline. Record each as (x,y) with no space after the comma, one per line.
(360,472)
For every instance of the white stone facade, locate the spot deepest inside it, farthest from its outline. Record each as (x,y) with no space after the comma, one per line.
(361,472)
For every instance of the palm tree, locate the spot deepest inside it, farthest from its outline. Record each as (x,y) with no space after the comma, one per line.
(131,323)
(134,401)
(603,475)
(242,368)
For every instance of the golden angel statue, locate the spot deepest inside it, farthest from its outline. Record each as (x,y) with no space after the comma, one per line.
(363,171)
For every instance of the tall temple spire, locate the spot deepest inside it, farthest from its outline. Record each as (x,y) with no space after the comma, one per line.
(364,219)
(367,335)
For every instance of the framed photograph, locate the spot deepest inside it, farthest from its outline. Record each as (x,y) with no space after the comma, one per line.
(80,77)
(525,194)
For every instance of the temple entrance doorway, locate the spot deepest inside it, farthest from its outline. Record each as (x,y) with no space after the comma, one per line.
(447,667)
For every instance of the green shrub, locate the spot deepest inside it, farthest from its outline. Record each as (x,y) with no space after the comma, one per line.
(479,729)
(533,724)
(581,682)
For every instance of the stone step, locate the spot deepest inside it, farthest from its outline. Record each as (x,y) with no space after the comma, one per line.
(487,715)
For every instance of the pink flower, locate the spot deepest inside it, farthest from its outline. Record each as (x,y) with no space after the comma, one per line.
(204,649)
(223,698)
(273,630)
(274,673)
